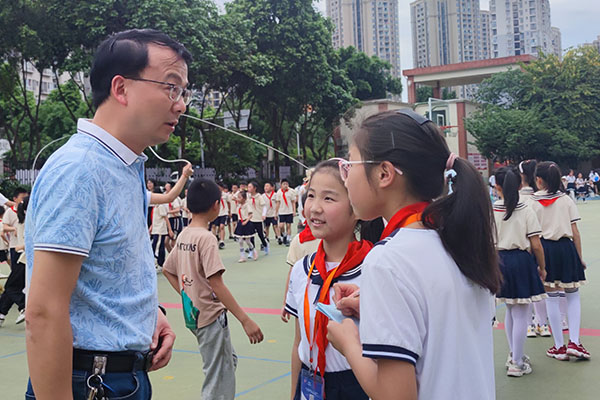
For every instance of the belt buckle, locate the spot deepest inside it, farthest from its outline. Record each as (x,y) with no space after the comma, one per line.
(99,366)
(148,360)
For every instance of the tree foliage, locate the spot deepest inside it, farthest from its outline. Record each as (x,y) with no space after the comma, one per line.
(548,110)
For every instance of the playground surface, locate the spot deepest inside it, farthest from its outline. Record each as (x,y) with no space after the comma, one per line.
(264,369)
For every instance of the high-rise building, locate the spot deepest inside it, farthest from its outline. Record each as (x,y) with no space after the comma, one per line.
(523,27)
(446,32)
(485,30)
(371,26)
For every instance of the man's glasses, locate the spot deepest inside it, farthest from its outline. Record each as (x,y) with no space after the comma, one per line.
(345,166)
(176,92)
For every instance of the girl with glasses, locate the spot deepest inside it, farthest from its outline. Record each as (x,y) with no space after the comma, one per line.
(426,298)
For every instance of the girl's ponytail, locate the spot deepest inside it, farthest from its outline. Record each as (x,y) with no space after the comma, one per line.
(463,218)
(527,170)
(550,174)
(465,223)
(508,178)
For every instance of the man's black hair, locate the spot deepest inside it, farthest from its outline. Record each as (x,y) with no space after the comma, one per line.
(18,191)
(202,195)
(126,54)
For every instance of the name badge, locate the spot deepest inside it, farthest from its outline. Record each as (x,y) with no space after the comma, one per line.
(311,386)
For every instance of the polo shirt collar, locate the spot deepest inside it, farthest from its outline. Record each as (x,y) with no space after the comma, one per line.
(116,147)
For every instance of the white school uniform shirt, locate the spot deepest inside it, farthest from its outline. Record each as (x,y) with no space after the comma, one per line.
(11,219)
(233,203)
(555,219)
(294,304)
(526,195)
(3,245)
(159,225)
(173,205)
(184,213)
(256,204)
(223,206)
(290,196)
(515,233)
(270,204)
(416,306)
(571,178)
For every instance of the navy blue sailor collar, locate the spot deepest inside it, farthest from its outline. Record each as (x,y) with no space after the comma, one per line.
(114,145)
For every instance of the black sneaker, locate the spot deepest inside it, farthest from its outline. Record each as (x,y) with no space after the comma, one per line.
(221,245)
(262,247)
(279,241)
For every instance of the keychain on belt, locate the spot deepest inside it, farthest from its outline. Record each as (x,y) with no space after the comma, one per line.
(95,382)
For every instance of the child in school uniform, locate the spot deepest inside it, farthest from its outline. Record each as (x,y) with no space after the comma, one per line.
(318,370)
(286,208)
(539,321)
(233,208)
(160,232)
(244,231)
(185,213)
(195,270)
(518,233)
(426,299)
(561,240)
(258,211)
(271,213)
(219,223)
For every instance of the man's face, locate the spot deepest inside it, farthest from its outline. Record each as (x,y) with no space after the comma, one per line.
(149,103)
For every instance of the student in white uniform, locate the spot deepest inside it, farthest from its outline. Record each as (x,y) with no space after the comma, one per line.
(233,207)
(286,208)
(561,239)
(539,321)
(518,234)
(160,231)
(338,259)
(426,297)
(185,212)
(244,231)
(257,208)
(269,197)
(219,223)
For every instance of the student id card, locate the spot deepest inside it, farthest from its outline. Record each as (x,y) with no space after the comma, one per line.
(311,386)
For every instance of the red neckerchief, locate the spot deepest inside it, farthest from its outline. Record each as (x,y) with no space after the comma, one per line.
(240,214)
(405,216)
(355,255)
(15,210)
(306,235)
(222,203)
(284,198)
(253,202)
(270,197)
(547,202)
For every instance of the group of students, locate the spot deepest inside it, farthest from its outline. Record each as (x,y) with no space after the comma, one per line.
(540,257)
(243,210)
(412,289)
(580,187)
(12,251)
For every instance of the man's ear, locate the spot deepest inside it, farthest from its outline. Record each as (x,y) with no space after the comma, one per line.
(118,89)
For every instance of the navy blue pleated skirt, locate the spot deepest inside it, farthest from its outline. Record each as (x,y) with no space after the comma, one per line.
(563,264)
(521,283)
(244,231)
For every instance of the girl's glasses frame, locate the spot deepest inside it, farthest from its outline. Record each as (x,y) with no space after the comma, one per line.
(345,165)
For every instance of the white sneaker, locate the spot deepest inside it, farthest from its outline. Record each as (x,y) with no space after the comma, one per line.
(531,331)
(565,325)
(21,317)
(242,259)
(518,370)
(255,254)
(543,330)
(525,359)
(2,318)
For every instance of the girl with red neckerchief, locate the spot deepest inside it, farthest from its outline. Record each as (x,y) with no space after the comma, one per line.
(558,216)
(318,370)
(426,300)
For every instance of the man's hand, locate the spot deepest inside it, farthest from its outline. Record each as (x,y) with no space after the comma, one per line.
(253,331)
(188,170)
(285,316)
(162,343)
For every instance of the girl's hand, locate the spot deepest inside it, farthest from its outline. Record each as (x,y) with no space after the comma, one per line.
(346,299)
(343,336)
(542,273)
(584,265)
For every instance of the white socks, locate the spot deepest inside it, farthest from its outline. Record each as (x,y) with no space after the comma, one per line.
(574,314)
(553,307)
(541,314)
(519,316)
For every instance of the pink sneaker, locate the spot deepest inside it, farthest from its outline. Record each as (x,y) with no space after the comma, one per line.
(577,350)
(559,354)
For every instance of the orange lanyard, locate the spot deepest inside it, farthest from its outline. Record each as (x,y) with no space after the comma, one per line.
(322,296)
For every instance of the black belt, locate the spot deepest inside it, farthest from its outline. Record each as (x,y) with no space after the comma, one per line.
(122,361)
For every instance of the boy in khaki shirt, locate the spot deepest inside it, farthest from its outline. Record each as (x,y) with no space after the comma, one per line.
(194,269)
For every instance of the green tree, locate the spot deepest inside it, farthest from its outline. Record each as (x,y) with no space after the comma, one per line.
(425,92)
(371,76)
